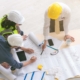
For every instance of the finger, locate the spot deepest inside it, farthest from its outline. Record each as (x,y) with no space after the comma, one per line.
(43,47)
(65,38)
(25,35)
(35,58)
(7,66)
(72,39)
(32,57)
(31,50)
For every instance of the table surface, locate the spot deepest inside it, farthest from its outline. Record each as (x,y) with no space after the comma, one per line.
(49,61)
(60,36)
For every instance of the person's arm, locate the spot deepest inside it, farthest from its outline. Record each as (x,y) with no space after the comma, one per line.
(46,29)
(12,62)
(44,45)
(17,65)
(18,29)
(66,24)
(65,16)
(33,59)
(28,50)
(21,32)
(46,26)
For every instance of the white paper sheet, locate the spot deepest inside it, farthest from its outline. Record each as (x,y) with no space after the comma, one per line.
(7,73)
(67,64)
(70,62)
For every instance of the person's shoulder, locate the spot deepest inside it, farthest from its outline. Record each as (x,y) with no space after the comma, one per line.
(4,43)
(2,39)
(63,4)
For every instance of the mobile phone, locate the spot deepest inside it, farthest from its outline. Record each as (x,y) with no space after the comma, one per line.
(21,55)
(50,42)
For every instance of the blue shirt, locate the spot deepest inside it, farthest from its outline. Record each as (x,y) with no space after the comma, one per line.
(5,54)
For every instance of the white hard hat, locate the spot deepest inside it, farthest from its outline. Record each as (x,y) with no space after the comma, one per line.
(15,40)
(16,17)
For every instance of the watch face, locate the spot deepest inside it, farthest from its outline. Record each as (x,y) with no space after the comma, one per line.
(21,55)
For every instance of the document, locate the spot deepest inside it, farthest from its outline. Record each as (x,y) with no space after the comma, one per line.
(63,65)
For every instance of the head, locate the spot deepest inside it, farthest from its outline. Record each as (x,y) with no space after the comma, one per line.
(54,11)
(14,18)
(15,40)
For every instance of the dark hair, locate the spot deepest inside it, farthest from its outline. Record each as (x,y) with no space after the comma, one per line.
(7,24)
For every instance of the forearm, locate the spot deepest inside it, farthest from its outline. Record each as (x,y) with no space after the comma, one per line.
(23,48)
(14,63)
(46,26)
(66,23)
(45,42)
(45,32)
(26,63)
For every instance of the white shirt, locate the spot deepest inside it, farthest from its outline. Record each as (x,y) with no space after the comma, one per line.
(65,16)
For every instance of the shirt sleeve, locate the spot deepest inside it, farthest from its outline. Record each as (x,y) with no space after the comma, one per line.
(12,62)
(46,26)
(66,14)
(66,23)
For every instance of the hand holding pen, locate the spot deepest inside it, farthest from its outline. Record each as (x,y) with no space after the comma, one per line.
(44,45)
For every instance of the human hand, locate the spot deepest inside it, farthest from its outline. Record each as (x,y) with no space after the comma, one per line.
(29,50)
(33,59)
(24,37)
(43,46)
(69,37)
(5,65)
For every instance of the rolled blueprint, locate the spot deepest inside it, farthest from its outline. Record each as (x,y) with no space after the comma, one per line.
(7,73)
(34,39)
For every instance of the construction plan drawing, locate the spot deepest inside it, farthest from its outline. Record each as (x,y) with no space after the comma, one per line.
(64,65)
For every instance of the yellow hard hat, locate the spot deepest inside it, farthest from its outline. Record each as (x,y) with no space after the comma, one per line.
(54,11)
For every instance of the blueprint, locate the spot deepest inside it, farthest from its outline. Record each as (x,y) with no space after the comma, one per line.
(64,65)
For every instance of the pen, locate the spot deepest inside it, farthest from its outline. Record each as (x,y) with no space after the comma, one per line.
(41,52)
